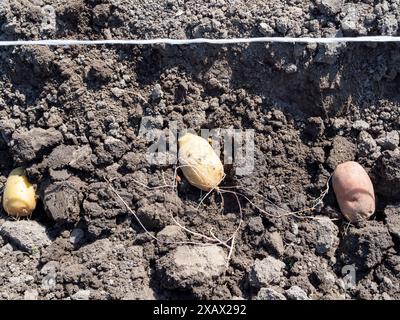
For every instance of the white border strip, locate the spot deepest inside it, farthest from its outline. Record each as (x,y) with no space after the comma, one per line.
(59,42)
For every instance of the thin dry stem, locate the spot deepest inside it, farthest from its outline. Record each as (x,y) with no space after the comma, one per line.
(317,202)
(230,242)
(231,250)
(212,241)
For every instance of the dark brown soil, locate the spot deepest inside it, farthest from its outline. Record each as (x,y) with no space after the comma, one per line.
(72,116)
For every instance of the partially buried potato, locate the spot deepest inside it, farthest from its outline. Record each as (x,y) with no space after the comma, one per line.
(19,198)
(354,191)
(200,164)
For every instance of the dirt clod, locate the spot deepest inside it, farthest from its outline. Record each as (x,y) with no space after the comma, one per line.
(27,145)
(296,293)
(26,235)
(365,247)
(269,294)
(392,214)
(188,266)
(342,150)
(266,272)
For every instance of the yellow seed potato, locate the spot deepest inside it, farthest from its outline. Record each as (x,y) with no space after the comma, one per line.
(354,191)
(19,198)
(201,165)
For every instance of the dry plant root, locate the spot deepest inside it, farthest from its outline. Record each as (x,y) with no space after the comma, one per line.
(203,169)
(208,240)
(284,213)
(213,239)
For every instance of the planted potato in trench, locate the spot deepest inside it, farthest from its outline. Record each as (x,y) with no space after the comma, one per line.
(200,164)
(19,198)
(354,191)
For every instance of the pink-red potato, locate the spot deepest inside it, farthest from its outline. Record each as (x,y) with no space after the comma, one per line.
(354,191)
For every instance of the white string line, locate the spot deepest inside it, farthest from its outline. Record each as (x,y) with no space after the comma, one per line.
(67,42)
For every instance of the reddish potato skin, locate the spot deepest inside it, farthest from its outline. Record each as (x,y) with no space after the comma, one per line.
(354,191)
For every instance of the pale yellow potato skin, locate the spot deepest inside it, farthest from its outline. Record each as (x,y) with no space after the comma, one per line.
(200,164)
(354,191)
(19,197)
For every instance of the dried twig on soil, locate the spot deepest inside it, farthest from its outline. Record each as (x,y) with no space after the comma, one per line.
(211,240)
(318,201)
(230,242)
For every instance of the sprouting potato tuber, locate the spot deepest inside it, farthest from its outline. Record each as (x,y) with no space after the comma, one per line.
(19,198)
(354,191)
(200,164)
